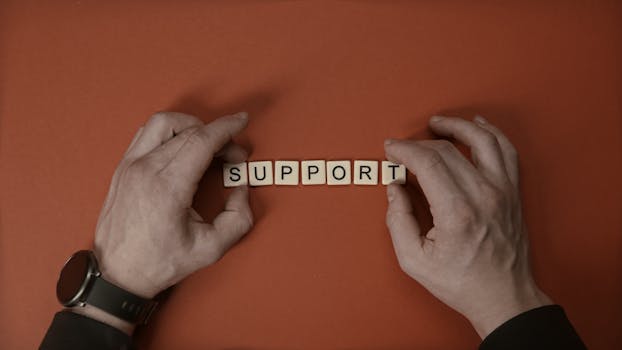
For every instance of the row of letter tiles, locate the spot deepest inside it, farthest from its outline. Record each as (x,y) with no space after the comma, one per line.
(312,172)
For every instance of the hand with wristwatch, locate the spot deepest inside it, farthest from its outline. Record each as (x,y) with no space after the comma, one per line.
(148,237)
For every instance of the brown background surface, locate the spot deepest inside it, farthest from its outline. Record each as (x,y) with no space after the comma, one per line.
(325,80)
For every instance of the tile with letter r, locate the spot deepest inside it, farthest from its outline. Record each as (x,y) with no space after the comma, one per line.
(365,172)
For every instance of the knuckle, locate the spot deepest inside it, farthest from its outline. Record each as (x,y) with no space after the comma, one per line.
(141,176)
(244,222)
(464,213)
(250,221)
(488,140)
(202,137)
(209,133)
(431,159)
(444,146)
(140,169)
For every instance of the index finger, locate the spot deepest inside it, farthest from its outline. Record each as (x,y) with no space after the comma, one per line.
(485,148)
(191,153)
(160,128)
(434,176)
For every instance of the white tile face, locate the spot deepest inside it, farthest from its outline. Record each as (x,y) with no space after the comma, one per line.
(365,172)
(338,172)
(234,174)
(286,172)
(260,173)
(313,172)
(393,173)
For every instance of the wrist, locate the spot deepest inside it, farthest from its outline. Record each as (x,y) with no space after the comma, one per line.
(84,290)
(126,276)
(507,306)
(134,285)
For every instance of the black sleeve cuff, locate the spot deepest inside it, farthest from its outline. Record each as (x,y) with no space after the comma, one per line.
(546,327)
(71,331)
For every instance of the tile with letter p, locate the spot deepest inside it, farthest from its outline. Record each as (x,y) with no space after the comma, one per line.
(286,172)
(313,172)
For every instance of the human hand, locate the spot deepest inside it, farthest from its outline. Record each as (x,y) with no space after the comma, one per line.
(475,258)
(148,237)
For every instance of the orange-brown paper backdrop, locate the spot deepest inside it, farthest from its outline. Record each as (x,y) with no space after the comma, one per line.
(327,80)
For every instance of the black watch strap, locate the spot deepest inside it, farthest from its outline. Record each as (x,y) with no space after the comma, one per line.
(120,303)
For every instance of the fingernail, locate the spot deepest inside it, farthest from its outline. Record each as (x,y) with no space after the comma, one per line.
(436,118)
(480,119)
(388,141)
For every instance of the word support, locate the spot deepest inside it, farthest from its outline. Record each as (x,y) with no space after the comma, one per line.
(312,172)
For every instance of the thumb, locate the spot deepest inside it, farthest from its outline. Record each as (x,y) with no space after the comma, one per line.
(214,240)
(237,218)
(403,226)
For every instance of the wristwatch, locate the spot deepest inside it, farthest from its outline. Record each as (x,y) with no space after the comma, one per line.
(81,283)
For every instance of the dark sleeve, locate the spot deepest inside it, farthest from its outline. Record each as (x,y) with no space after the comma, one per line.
(70,331)
(546,327)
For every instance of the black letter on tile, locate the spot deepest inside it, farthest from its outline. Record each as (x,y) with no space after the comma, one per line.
(283,172)
(393,166)
(264,174)
(312,172)
(366,172)
(235,174)
(342,176)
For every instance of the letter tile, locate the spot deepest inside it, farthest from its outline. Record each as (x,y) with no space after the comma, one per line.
(365,172)
(338,172)
(234,174)
(286,172)
(313,172)
(393,173)
(260,173)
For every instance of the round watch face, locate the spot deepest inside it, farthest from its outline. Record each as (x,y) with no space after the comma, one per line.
(74,278)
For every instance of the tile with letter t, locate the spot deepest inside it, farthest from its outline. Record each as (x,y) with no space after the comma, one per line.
(286,172)
(234,174)
(393,173)
(338,172)
(260,173)
(365,172)
(313,172)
